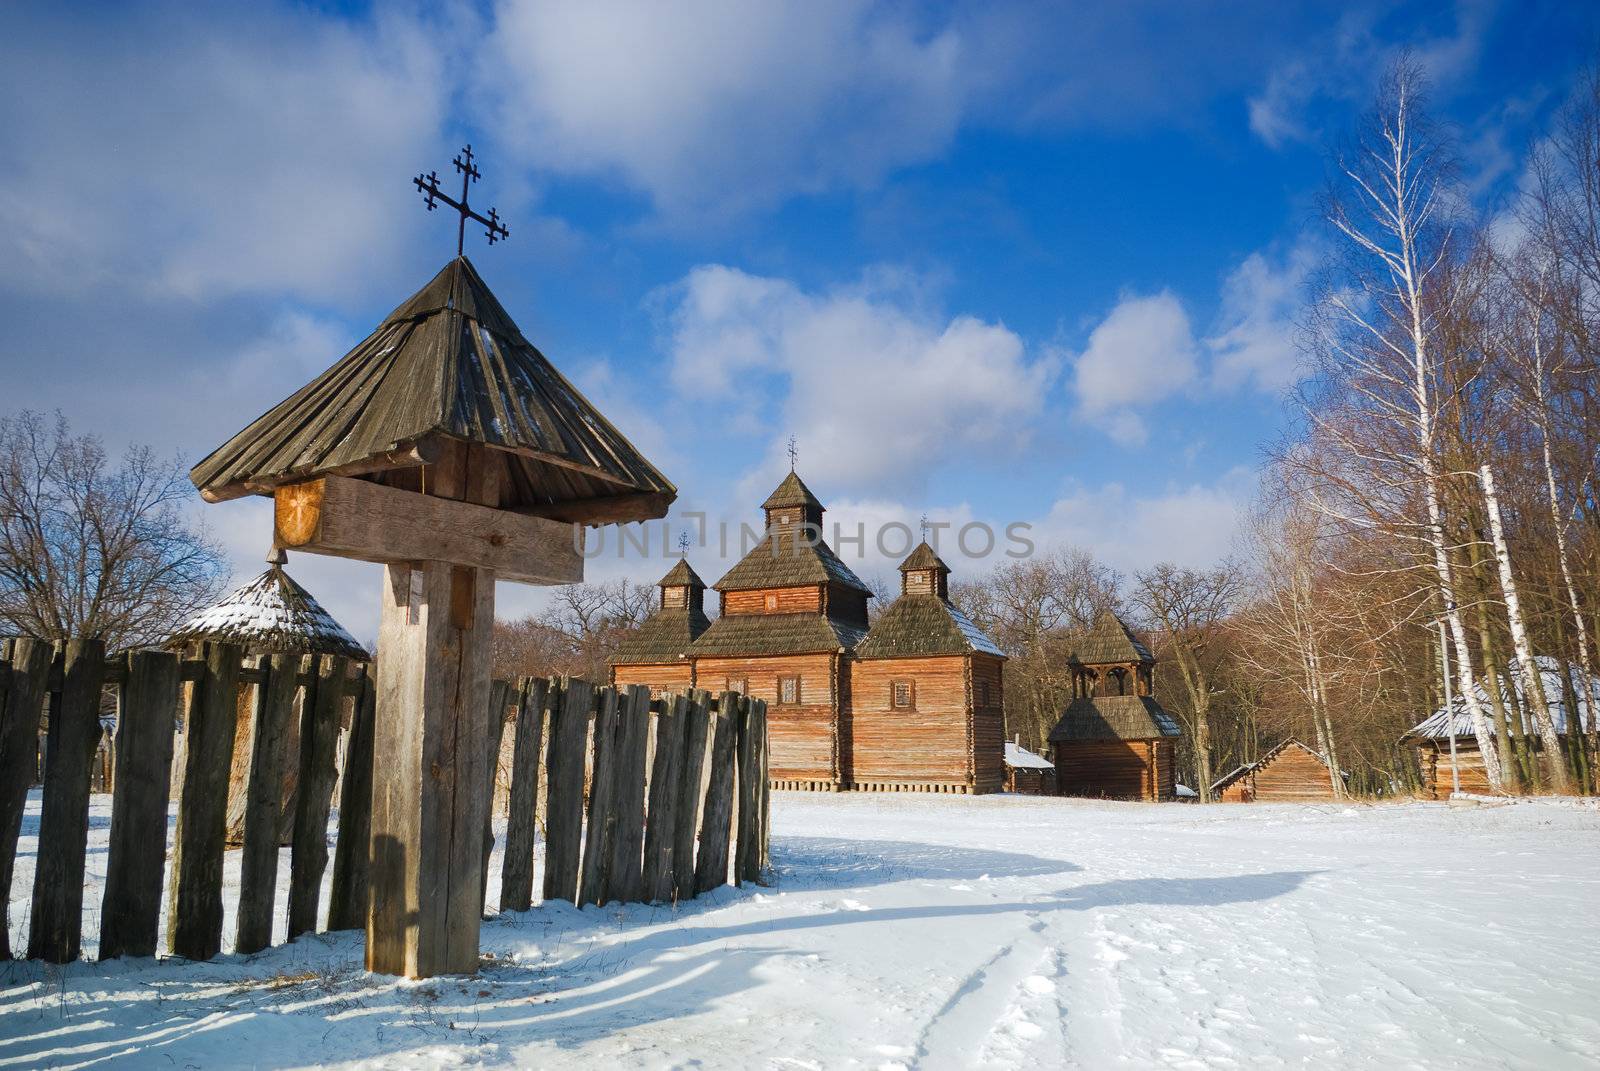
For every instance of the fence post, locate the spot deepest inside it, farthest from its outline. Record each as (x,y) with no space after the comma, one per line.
(499,697)
(569,731)
(666,791)
(23,676)
(765,862)
(194,911)
(319,743)
(516,868)
(747,849)
(263,801)
(625,876)
(130,910)
(696,733)
(711,867)
(593,881)
(347,899)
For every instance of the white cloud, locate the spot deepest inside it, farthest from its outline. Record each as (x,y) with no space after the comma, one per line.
(1142,352)
(722,106)
(1194,525)
(879,390)
(267,150)
(1254,338)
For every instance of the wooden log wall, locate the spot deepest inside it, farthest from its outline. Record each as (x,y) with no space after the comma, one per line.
(678,798)
(1115,769)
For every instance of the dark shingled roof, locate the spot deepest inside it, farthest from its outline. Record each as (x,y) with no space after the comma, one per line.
(681,575)
(1108,641)
(270,615)
(448,363)
(791,492)
(786,557)
(663,637)
(923,558)
(1114,717)
(919,626)
(732,635)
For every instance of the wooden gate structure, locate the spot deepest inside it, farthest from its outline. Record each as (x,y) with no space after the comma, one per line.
(642,801)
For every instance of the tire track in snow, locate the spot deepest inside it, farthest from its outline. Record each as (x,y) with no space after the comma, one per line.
(968,1017)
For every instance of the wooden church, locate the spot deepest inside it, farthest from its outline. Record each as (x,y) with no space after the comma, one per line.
(1114,741)
(912,705)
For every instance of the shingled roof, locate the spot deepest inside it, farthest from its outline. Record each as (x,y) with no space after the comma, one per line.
(733,635)
(666,634)
(923,558)
(787,557)
(791,492)
(918,626)
(1114,717)
(270,615)
(449,363)
(1108,641)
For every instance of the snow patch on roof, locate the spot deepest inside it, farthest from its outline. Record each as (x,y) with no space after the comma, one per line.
(1442,724)
(271,613)
(974,635)
(1020,758)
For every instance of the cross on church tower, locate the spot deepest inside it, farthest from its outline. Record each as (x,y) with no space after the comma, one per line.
(794,452)
(429,185)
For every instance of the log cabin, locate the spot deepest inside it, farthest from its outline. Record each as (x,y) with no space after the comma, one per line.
(926,711)
(914,705)
(1289,773)
(1028,774)
(1114,740)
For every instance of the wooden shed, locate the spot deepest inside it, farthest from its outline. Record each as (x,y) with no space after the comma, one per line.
(272,614)
(655,654)
(1113,741)
(1289,773)
(926,699)
(1028,774)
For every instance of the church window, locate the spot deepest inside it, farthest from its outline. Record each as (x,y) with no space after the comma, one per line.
(788,689)
(739,685)
(772,601)
(904,694)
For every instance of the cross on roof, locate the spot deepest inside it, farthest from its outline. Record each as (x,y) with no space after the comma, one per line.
(924,526)
(794,452)
(683,544)
(429,185)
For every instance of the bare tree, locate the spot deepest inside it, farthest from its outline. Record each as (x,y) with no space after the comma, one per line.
(92,550)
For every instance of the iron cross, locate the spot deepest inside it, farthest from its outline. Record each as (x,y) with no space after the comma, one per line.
(429,185)
(794,452)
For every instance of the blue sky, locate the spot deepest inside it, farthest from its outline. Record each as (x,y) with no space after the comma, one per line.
(998,262)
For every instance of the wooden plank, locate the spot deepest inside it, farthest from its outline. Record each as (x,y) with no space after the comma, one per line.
(696,735)
(427,810)
(766,792)
(499,699)
(349,518)
(563,821)
(625,876)
(666,791)
(263,803)
(130,910)
(23,676)
(747,853)
(55,927)
(516,873)
(347,898)
(711,865)
(600,820)
(319,744)
(194,907)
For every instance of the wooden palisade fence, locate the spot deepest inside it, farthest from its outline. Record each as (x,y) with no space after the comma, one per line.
(622,824)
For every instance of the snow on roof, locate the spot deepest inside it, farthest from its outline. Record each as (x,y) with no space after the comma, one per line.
(973,633)
(271,613)
(1020,758)
(1441,725)
(1185,792)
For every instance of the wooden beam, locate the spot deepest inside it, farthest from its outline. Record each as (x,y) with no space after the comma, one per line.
(424,451)
(349,518)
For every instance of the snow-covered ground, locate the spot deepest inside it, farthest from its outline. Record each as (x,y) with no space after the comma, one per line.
(931,931)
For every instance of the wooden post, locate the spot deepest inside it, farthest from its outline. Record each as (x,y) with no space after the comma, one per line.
(347,899)
(319,744)
(711,867)
(766,790)
(666,791)
(747,852)
(263,801)
(55,927)
(696,732)
(625,872)
(499,697)
(601,819)
(516,871)
(23,676)
(563,821)
(130,911)
(194,908)
(435,640)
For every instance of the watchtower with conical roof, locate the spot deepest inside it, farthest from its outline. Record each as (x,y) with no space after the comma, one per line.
(1113,740)
(926,702)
